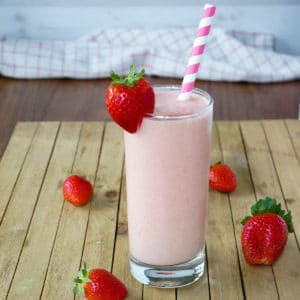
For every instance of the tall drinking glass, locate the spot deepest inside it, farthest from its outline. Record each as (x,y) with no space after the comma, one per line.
(167,165)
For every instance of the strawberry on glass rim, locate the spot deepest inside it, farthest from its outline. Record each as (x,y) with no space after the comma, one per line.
(129,98)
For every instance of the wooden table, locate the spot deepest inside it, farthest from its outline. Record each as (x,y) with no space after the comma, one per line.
(83,100)
(44,239)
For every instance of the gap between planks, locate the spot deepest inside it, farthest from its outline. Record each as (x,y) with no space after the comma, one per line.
(236,149)
(268,181)
(18,217)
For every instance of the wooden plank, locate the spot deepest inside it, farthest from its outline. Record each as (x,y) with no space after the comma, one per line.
(100,238)
(287,166)
(151,293)
(223,264)
(294,131)
(198,290)
(31,229)
(29,278)
(67,251)
(286,269)
(12,161)
(121,254)
(288,171)
(256,280)
(20,209)
(259,159)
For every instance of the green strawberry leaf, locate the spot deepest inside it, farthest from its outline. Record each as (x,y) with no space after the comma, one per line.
(77,280)
(288,220)
(245,220)
(80,280)
(265,205)
(269,205)
(84,270)
(130,80)
(114,76)
(78,289)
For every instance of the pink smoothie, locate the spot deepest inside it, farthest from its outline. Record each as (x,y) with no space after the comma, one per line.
(167,163)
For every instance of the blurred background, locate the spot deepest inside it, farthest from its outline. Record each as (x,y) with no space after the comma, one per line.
(251,64)
(70,19)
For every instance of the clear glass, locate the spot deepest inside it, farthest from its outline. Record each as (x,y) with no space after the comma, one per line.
(167,165)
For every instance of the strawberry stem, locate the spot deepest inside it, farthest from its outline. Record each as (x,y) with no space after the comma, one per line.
(269,205)
(80,280)
(129,80)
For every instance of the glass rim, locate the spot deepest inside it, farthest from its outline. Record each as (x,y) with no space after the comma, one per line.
(196,91)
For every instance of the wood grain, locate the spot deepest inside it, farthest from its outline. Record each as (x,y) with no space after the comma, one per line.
(198,290)
(28,280)
(100,237)
(287,269)
(121,252)
(294,132)
(265,179)
(67,250)
(224,275)
(287,167)
(12,161)
(241,201)
(159,294)
(18,215)
(83,100)
(44,239)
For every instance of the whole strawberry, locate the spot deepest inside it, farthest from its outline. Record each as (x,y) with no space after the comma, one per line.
(99,284)
(129,99)
(222,178)
(265,233)
(77,190)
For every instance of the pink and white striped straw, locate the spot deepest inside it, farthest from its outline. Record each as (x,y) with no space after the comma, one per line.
(197,51)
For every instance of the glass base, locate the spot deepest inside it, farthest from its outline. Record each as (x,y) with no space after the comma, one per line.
(169,276)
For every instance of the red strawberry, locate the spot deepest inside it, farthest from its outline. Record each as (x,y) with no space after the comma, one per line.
(265,233)
(222,178)
(99,284)
(129,99)
(77,190)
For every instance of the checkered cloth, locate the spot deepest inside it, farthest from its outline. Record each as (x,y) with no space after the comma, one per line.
(229,55)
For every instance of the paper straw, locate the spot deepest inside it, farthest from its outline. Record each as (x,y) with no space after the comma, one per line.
(197,51)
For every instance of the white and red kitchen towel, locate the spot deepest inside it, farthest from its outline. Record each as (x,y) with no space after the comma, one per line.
(229,55)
